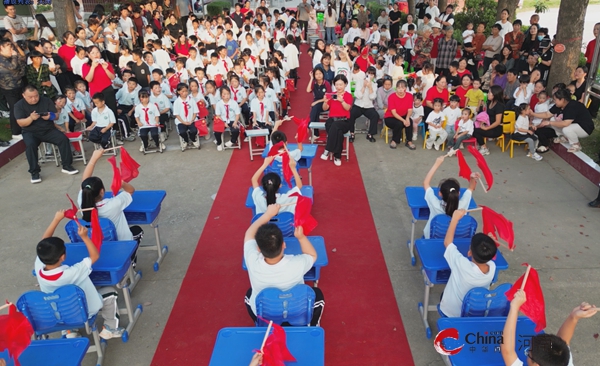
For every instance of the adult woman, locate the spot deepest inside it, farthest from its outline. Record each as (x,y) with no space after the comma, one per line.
(465,85)
(98,12)
(182,48)
(363,105)
(409,21)
(397,116)
(383,19)
(383,93)
(338,122)
(395,17)
(319,52)
(43,29)
(174,28)
(439,90)
(422,49)
(319,87)
(579,82)
(12,70)
(462,68)
(67,51)
(507,60)
(492,46)
(99,74)
(330,21)
(531,44)
(495,110)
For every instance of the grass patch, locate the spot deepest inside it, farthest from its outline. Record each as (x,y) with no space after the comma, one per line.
(591,145)
(529,4)
(5,133)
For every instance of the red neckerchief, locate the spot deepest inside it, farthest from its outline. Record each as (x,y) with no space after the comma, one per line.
(52,277)
(227,112)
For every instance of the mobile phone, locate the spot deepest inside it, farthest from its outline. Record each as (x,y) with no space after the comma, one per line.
(44,114)
(332,96)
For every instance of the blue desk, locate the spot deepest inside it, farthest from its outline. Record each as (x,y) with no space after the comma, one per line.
(436,271)
(475,353)
(309,151)
(292,246)
(415,197)
(52,352)
(307,191)
(144,210)
(113,268)
(234,346)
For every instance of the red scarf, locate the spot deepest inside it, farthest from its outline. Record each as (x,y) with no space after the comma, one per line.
(225,65)
(186,109)
(227,112)
(234,93)
(146,115)
(262,111)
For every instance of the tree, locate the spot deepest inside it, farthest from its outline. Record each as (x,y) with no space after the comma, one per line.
(442,4)
(511,5)
(569,31)
(411,7)
(64,16)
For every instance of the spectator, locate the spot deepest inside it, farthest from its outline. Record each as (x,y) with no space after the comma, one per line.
(492,46)
(99,74)
(363,105)
(504,23)
(591,46)
(515,39)
(422,49)
(579,82)
(466,84)
(38,75)
(409,21)
(512,83)
(15,24)
(438,90)
(531,44)
(362,17)
(446,19)
(395,18)
(397,116)
(547,52)
(506,57)
(462,69)
(495,111)
(478,41)
(436,35)
(432,10)
(337,124)
(330,21)
(67,51)
(534,19)
(383,94)
(529,65)
(43,29)
(384,19)
(304,10)
(446,52)
(12,71)
(420,9)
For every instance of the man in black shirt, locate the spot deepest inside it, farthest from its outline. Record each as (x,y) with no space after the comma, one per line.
(36,115)
(238,17)
(140,70)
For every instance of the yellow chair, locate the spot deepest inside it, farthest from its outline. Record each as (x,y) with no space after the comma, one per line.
(508,121)
(385,131)
(427,135)
(588,103)
(512,143)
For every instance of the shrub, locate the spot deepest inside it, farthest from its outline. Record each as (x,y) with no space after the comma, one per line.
(43,8)
(216,8)
(582,59)
(476,11)
(375,8)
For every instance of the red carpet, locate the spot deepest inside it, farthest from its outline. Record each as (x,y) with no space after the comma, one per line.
(361,319)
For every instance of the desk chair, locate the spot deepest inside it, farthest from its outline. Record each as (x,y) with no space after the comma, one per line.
(284,221)
(113,143)
(239,141)
(481,302)
(294,306)
(53,156)
(511,142)
(63,309)
(109,231)
(466,228)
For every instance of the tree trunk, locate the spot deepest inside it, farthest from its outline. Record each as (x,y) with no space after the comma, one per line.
(569,31)
(64,16)
(511,5)
(442,6)
(411,7)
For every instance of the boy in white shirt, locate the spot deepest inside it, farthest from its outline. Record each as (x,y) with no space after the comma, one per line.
(193,62)
(149,36)
(161,57)
(84,95)
(157,75)
(466,274)
(225,64)
(464,130)
(102,121)
(149,59)
(229,112)
(180,70)
(437,134)
(212,70)
(185,111)
(417,114)
(452,114)
(163,103)
(76,109)
(147,117)
(127,99)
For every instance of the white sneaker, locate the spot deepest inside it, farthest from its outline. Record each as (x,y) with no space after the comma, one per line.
(219,147)
(414,138)
(536,157)
(451,152)
(183,145)
(337,162)
(142,148)
(325,155)
(437,147)
(228,144)
(207,137)
(215,141)
(462,146)
(470,62)
(314,139)
(247,139)
(484,151)
(162,146)
(108,333)
(428,146)
(197,143)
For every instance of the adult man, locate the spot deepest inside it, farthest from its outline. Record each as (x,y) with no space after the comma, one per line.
(269,267)
(36,115)
(127,29)
(15,24)
(362,16)
(12,70)
(304,9)
(237,16)
(320,8)
(184,7)
(515,39)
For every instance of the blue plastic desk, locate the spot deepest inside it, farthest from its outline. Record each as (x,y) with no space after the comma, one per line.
(113,268)
(309,151)
(234,346)
(436,271)
(415,197)
(144,210)
(480,353)
(52,352)
(307,191)
(292,246)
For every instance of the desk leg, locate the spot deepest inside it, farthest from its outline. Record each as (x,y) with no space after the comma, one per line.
(310,175)
(134,277)
(250,148)
(133,315)
(424,307)
(411,243)
(162,251)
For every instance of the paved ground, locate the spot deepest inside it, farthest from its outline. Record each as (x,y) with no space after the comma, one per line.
(546,200)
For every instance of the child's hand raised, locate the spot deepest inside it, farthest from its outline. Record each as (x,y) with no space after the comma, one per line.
(519,299)
(440,159)
(584,310)
(476,175)
(458,214)
(269,160)
(82,231)
(299,232)
(97,154)
(273,209)
(59,215)
(293,162)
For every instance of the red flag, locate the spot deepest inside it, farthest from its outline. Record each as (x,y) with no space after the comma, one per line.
(494,222)
(275,149)
(275,351)
(302,129)
(534,308)
(72,212)
(129,167)
(464,170)
(302,216)
(97,236)
(482,164)
(15,333)
(287,171)
(116,182)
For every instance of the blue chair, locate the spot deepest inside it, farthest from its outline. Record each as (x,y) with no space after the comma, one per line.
(481,302)
(294,306)
(109,231)
(466,228)
(285,222)
(277,167)
(63,309)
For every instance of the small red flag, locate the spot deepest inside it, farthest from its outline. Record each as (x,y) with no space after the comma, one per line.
(275,149)
(72,212)
(534,308)
(97,235)
(482,164)
(287,171)
(275,351)
(116,182)
(129,167)
(302,216)
(15,333)
(494,222)
(302,129)
(464,170)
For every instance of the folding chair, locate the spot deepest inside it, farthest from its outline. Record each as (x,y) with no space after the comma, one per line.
(159,148)
(76,140)
(481,302)
(42,158)
(113,144)
(466,228)
(284,221)
(109,231)
(239,141)
(63,309)
(294,306)
(508,124)
(256,133)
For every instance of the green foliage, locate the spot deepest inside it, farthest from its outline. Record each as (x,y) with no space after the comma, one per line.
(476,11)
(375,8)
(43,8)
(582,59)
(216,8)
(540,6)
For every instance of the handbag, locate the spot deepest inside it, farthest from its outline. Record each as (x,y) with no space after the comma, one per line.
(218,125)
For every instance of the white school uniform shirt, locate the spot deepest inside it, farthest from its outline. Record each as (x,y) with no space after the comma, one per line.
(78,42)
(279,34)
(353,33)
(153,112)
(255,108)
(149,36)
(522,123)
(465,126)
(295,154)
(271,96)
(162,59)
(125,97)
(221,39)
(224,65)
(63,118)
(213,99)
(263,45)
(212,70)
(295,32)
(540,108)
(524,97)
(253,49)
(112,209)
(104,118)
(161,101)
(374,38)
(166,42)
(239,94)
(77,65)
(451,116)
(290,54)
(179,109)
(438,207)
(77,104)
(85,98)
(123,60)
(114,35)
(221,110)
(464,277)
(284,275)
(183,75)
(191,65)
(417,112)
(198,32)
(77,274)
(166,90)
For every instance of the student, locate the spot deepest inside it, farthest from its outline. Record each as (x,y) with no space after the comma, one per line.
(149,35)
(162,102)
(182,74)
(474,97)
(193,62)
(396,70)
(160,55)
(466,274)
(240,96)
(545,349)
(127,98)
(52,274)
(437,134)
(261,109)
(76,109)
(185,111)
(84,95)
(271,182)
(290,52)
(147,117)
(157,75)
(140,70)
(452,114)
(523,132)
(103,119)
(124,58)
(464,131)
(229,112)
(417,114)
(449,195)
(269,267)
(62,122)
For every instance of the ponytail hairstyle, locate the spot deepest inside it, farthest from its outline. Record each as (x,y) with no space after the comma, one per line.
(271,183)
(450,190)
(90,191)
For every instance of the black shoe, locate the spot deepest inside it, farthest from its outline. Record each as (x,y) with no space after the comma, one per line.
(69,170)
(371,138)
(411,147)
(35,178)
(595,203)
(351,137)
(4,143)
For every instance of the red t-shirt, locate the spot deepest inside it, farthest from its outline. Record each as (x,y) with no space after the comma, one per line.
(434,49)
(463,73)
(363,63)
(183,49)
(401,105)
(67,53)
(589,51)
(461,92)
(433,93)
(533,101)
(336,109)
(100,81)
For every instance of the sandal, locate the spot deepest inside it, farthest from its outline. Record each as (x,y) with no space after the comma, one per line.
(392,145)
(411,147)
(351,137)
(371,138)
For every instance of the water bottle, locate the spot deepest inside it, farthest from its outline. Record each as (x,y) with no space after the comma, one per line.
(449,87)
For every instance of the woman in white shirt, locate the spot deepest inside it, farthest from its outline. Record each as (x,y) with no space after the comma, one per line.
(319,52)
(271,182)
(330,23)
(43,29)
